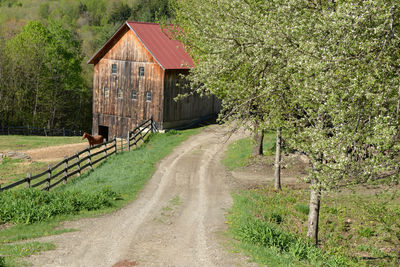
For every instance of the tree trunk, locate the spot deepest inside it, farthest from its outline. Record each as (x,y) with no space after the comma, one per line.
(278,160)
(313,216)
(398,108)
(258,139)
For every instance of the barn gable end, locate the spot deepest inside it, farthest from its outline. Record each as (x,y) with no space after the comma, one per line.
(135,77)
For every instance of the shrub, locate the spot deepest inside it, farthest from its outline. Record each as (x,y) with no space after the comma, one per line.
(31,205)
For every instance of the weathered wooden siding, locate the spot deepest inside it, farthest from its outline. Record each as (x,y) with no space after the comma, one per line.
(123,114)
(181,112)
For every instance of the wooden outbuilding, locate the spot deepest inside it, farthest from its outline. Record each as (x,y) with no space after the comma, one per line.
(137,74)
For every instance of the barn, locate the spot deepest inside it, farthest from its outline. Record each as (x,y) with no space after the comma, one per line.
(137,75)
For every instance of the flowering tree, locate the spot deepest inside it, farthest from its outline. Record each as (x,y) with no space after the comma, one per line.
(325,71)
(237,61)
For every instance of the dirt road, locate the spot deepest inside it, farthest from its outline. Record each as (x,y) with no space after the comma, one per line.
(177,219)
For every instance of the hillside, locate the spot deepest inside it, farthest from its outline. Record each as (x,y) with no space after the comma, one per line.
(77,27)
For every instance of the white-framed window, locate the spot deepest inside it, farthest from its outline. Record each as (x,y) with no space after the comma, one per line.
(134,95)
(106,92)
(141,71)
(114,69)
(148,96)
(120,93)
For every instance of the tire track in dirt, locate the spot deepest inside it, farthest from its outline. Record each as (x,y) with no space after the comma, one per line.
(176,220)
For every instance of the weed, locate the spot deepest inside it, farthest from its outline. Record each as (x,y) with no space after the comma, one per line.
(15,251)
(366,232)
(175,201)
(31,205)
(266,231)
(172,132)
(302,208)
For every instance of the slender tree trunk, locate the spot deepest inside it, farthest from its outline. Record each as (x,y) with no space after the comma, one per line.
(258,139)
(398,107)
(36,103)
(278,160)
(313,216)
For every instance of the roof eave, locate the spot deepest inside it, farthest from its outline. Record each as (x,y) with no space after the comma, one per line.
(141,41)
(93,60)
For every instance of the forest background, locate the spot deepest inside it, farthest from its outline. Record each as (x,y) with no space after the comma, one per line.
(45,80)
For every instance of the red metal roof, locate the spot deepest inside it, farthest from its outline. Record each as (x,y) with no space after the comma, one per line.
(169,53)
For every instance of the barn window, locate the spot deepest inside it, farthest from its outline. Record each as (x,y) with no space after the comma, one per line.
(148,96)
(114,69)
(133,95)
(119,93)
(106,92)
(141,71)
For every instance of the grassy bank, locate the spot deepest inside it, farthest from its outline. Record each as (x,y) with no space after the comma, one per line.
(21,142)
(113,184)
(358,227)
(239,153)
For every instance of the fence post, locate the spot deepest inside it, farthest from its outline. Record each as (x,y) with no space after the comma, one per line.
(65,170)
(105,150)
(48,178)
(45,133)
(79,164)
(63,131)
(89,158)
(128,141)
(28,180)
(115,144)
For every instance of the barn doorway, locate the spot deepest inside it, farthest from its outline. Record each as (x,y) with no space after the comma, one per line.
(103,130)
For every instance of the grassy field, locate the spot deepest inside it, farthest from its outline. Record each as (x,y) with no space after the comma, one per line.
(358,227)
(15,169)
(21,142)
(113,184)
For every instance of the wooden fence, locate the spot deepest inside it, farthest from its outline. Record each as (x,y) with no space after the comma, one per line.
(87,158)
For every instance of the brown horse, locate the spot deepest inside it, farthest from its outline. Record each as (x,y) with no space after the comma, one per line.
(93,140)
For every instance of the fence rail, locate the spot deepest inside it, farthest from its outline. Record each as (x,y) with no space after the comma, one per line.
(28,130)
(76,164)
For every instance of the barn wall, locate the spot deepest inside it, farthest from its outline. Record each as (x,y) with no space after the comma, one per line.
(121,114)
(186,110)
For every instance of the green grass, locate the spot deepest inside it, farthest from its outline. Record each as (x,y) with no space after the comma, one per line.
(21,142)
(15,251)
(239,152)
(355,229)
(15,169)
(122,176)
(359,227)
(259,219)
